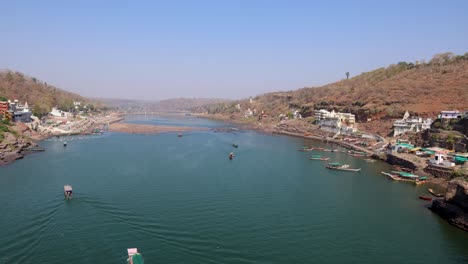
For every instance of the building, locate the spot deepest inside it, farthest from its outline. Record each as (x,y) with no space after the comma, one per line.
(248,113)
(20,113)
(450,114)
(297,114)
(77,104)
(336,122)
(410,124)
(58,113)
(4,107)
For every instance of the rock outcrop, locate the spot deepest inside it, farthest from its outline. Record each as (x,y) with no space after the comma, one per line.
(454,206)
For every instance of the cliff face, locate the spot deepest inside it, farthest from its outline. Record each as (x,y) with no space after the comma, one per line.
(454,207)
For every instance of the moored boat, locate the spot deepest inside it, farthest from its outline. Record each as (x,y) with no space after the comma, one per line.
(65,144)
(235,145)
(231,155)
(134,257)
(68,191)
(339,166)
(425,198)
(304,149)
(318,157)
(391,176)
(405,176)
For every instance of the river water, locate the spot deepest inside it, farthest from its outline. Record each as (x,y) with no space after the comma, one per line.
(180,200)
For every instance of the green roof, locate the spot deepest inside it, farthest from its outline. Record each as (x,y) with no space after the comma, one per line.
(137,259)
(405,174)
(405,145)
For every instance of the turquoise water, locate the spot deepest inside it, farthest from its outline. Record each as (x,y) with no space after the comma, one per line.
(180,200)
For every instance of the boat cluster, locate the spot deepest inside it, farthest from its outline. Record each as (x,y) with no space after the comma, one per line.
(405,177)
(334,165)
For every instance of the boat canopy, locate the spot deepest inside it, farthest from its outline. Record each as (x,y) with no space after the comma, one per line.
(335,164)
(405,174)
(317,156)
(137,259)
(422,178)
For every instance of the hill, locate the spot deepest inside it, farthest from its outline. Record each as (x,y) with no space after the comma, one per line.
(421,88)
(39,94)
(168,105)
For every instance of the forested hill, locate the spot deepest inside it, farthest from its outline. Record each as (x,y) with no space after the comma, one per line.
(419,87)
(39,94)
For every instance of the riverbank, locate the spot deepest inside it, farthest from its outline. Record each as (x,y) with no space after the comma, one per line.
(24,140)
(302,129)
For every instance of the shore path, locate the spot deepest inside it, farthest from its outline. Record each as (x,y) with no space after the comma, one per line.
(149,129)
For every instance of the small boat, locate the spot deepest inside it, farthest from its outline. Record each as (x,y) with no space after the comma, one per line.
(435,194)
(339,166)
(179,135)
(425,198)
(134,257)
(65,144)
(319,158)
(304,149)
(231,156)
(68,191)
(235,145)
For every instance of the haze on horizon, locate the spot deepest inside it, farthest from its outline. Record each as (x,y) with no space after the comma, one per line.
(219,49)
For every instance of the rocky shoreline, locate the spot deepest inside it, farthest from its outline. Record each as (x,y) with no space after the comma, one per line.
(23,141)
(454,206)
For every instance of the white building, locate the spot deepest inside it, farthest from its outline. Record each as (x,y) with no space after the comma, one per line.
(248,113)
(297,114)
(336,122)
(58,113)
(450,114)
(410,124)
(21,113)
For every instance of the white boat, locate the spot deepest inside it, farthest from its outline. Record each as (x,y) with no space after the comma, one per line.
(68,191)
(134,257)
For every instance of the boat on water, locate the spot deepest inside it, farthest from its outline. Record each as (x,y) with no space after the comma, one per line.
(134,257)
(235,145)
(304,149)
(231,155)
(425,198)
(405,176)
(65,144)
(339,166)
(179,135)
(68,191)
(318,157)
(435,194)
(357,153)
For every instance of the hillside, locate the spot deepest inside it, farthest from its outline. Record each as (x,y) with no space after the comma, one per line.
(421,88)
(40,95)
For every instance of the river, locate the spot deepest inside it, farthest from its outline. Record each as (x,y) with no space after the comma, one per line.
(181,200)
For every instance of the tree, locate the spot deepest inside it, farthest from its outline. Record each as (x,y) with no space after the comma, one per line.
(347,75)
(3,99)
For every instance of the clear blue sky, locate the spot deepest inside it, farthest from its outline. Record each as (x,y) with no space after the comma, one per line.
(228,49)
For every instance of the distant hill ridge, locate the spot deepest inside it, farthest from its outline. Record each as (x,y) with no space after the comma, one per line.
(16,85)
(421,88)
